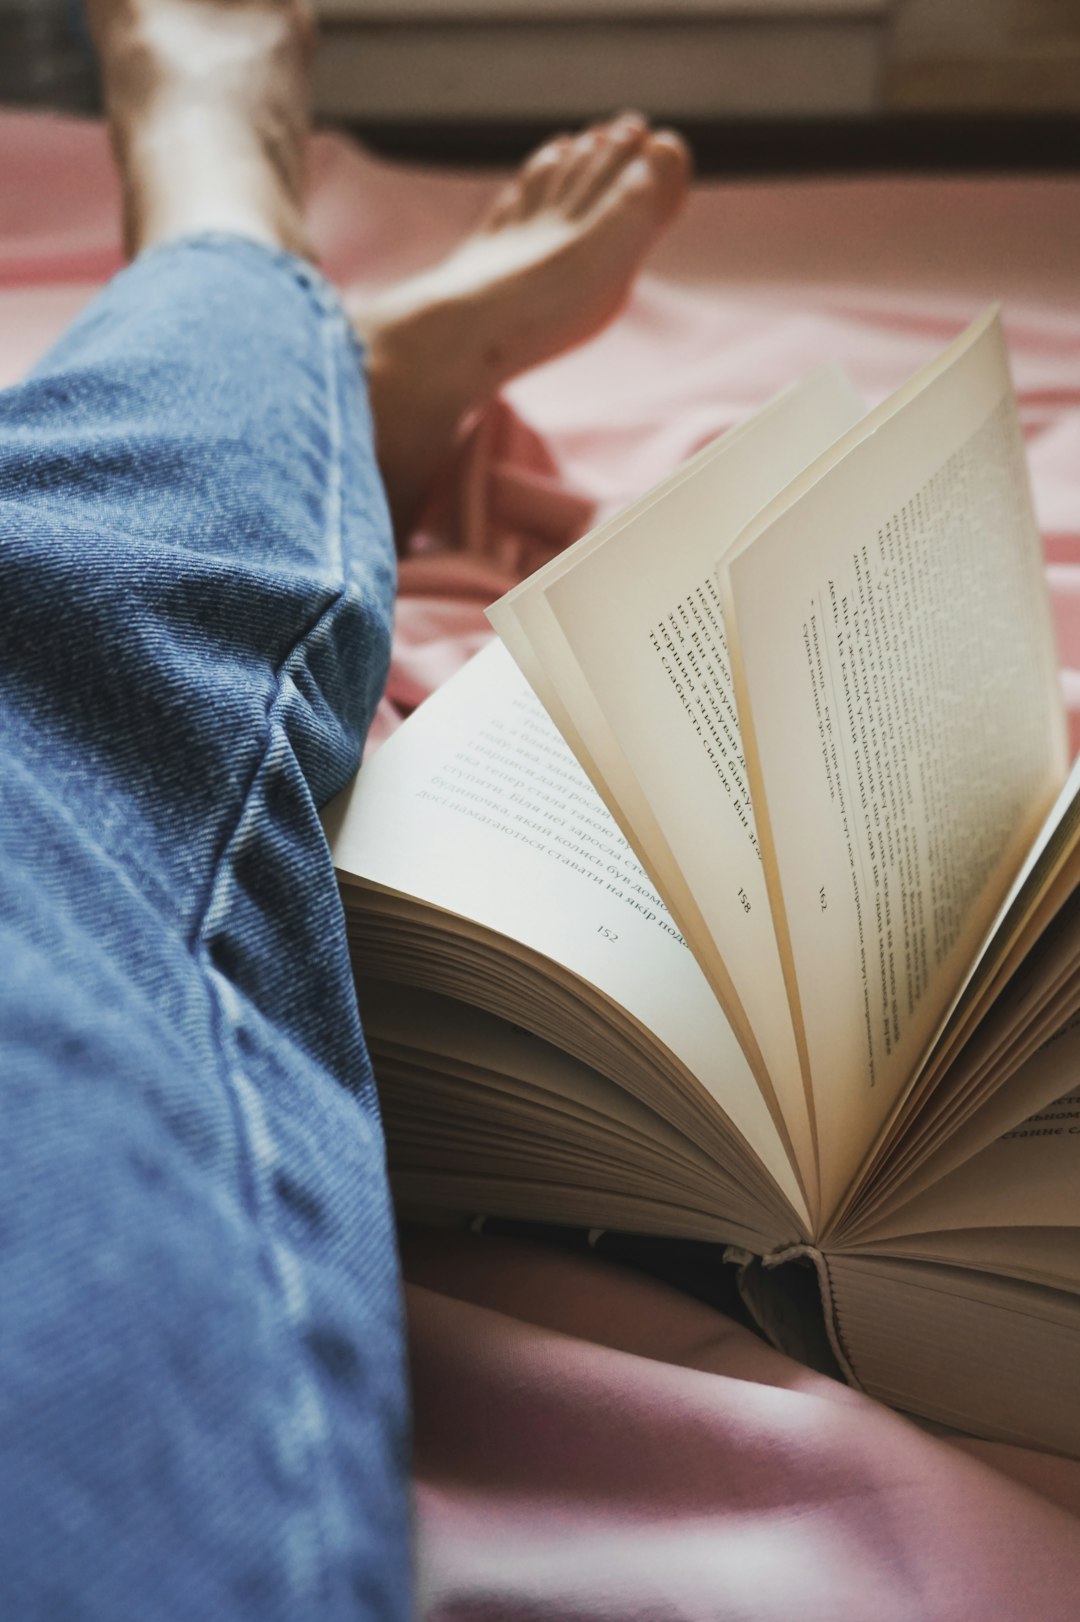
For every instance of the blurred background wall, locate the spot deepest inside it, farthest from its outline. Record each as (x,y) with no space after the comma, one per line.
(759,84)
(45,56)
(772,84)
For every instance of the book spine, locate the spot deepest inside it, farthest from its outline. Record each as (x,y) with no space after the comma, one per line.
(820,1265)
(803,1328)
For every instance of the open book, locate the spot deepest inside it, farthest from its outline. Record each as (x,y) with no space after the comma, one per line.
(746,912)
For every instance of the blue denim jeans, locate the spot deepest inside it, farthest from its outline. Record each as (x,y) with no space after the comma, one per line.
(202,1409)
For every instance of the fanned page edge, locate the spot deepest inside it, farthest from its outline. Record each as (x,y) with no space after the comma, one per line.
(534,635)
(373,847)
(631,824)
(949,1043)
(794,493)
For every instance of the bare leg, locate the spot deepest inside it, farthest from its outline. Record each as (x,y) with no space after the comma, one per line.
(207,101)
(208,111)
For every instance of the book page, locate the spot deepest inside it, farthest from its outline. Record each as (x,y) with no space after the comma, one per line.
(1029,1178)
(1008,1068)
(1034,912)
(984,1354)
(1046,1075)
(463,1090)
(897,685)
(628,629)
(1047,1256)
(477,806)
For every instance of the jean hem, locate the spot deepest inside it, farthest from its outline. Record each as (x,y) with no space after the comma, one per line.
(239,244)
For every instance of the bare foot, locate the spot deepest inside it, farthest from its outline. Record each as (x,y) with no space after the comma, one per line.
(207,103)
(551,265)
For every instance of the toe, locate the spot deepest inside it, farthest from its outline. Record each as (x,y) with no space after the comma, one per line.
(654,183)
(671,165)
(583,152)
(542,175)
(615,146)
(506,207)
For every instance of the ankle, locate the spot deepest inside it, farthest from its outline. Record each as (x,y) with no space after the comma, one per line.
(416,427)
(207,103)
(174,184)
(424,356)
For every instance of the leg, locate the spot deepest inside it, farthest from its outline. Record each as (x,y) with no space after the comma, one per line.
(201,1392)
(201,1402)
(207,105)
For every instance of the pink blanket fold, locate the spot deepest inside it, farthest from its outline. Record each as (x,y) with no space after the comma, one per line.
(592,1444)
(588,1443)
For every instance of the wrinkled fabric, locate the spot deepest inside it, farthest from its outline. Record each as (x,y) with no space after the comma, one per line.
(594,1446)
(201,1377)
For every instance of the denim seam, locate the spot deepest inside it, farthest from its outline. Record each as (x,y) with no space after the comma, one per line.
(329,314)
(324,294)
(305,1415)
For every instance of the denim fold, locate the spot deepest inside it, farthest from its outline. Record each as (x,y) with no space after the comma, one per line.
(202,1383)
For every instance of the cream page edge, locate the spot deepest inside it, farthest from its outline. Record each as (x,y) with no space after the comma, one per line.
(384,833)
(761,596)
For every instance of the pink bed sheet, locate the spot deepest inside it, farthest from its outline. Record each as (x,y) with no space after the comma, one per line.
(590,1444)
